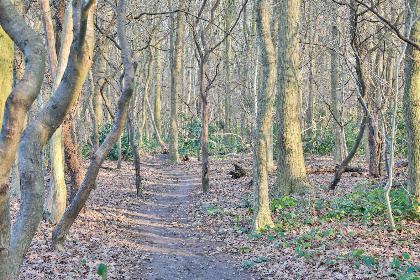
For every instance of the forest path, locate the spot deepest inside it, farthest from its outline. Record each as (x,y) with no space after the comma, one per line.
(174,249)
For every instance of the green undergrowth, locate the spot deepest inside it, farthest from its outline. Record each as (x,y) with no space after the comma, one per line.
(189,142)
(309,225)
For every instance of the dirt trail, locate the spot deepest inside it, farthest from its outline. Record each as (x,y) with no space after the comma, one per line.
(175,250)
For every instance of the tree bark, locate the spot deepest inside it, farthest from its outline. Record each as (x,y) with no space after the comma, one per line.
(205,176)
(63,227)
(136,154)
(228,53)
(361,87)
(262,214)
(291,172)
(6,69)
(41,129)
(340,152)
(158,92)
(175,76)
(15,110)
(145,94)
(411,105)
(99,79)
(55,204)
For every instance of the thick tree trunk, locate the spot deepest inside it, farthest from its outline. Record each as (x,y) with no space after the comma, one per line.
(262,214)
(63,227)
(175,76)
(15,110)
(411,105)
(291,172)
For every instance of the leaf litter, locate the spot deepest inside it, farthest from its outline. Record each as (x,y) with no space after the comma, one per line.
(319,235)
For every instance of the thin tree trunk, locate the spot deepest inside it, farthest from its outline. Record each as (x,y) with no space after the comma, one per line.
(119,152)
(340,146)
(158,95)
(99,76)
(136,154)
(228,53)
(145,94)
(158,138)
(205,180)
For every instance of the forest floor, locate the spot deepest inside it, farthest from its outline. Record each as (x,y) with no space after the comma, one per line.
(174,232)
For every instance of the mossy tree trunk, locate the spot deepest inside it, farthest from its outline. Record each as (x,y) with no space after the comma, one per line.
(291,171)
(412,105)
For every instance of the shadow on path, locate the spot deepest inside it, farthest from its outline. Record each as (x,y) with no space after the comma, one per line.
(172,248)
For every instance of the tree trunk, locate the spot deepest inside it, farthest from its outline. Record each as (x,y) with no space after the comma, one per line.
(228,53)
(340,145)
(145,94)
(262,214)
(55,203)
(41,129)
(205,178)
(158,95)
(119,159)
(175,76)
(411,105)
(291,172)
(157,134)
(63,227)
(136,154)
(95,127)
(17,105)
(71,153)
(375,139)
(361,87)
(99,81)
(6,69)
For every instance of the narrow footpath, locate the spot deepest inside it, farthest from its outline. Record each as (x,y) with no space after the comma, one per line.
(176,250)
